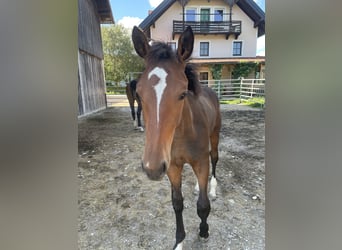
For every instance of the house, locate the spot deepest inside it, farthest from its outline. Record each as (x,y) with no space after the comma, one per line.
(226,32)
(91,81)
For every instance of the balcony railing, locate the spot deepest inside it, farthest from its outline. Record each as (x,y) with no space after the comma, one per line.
(226,28)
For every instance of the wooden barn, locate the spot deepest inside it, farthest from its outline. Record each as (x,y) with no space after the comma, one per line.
(91,80)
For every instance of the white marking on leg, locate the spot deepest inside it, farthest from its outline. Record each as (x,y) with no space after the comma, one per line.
(179,246)
(196,187)
(213,185)
(141,129)
(135,123)
(160,86)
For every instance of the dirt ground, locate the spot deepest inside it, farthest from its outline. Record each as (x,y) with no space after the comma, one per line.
(120,208)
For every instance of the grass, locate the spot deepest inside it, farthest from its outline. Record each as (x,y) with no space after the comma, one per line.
(114,90)
(255,102)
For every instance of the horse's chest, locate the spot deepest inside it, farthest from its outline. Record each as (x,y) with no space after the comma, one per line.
(188,147)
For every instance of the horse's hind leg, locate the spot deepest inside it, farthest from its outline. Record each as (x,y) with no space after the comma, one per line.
(131,104)
(139,115)
(214,140)
(175,176)
(203,204)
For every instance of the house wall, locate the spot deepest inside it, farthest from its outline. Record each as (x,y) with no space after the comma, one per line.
(262,71)
(226,70)
(91,82)
(219,47)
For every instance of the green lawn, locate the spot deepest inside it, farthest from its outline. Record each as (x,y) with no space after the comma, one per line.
(255,102)
(115,90)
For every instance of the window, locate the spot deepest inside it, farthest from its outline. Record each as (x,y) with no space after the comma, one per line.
(205,15)
(204,77)
(205,18)
(218,15)
(172,45)
(204,48)
(237,48)
(190,15)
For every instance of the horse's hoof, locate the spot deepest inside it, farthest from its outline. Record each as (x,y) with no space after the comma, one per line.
(141,129)
(203,239)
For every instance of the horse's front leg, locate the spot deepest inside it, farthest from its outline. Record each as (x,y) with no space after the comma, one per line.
(175,176)
(203,205)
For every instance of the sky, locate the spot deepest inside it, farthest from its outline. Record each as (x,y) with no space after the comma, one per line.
(133,12)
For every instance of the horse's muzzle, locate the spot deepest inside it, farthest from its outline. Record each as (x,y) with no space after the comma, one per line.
(155,174)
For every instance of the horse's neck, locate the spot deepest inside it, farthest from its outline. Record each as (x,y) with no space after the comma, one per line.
(186,125)
(188,115)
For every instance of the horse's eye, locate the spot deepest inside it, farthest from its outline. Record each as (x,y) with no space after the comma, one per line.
(183,95)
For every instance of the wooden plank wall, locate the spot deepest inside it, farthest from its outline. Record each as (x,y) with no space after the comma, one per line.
(91,81)
(89,30)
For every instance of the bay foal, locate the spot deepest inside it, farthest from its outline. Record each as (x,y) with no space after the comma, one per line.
(182,122)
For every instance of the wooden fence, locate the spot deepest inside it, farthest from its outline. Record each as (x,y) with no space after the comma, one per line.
(227,89)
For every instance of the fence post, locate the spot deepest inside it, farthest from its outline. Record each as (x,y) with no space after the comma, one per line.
(252,88)
(241,80)
(219,89)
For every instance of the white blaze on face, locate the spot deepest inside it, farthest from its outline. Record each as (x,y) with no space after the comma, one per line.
(160,86)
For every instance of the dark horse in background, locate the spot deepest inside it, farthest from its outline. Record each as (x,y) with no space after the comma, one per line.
(132,97)
(182,122)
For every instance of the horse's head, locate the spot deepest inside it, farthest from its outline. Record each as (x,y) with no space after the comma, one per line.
(162,88)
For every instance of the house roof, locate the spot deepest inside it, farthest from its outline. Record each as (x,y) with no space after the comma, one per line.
(251,9)
(105,11)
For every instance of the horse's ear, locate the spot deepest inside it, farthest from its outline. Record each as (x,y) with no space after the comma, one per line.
(185,44)
(140,42)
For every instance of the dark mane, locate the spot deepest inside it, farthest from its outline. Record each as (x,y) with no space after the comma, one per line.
(159,52)
(193,83)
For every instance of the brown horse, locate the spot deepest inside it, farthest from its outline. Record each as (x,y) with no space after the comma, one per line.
(182,122)
(132,98)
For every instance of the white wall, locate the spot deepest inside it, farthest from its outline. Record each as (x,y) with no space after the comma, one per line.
(219,47)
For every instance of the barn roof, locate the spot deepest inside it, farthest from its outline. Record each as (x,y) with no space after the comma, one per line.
(248,6)
(105,11)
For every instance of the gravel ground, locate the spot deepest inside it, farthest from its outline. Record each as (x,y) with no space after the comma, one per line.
(119,208)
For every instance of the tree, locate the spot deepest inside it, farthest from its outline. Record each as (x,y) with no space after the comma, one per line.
(216,71)
(243,69)
(119,55)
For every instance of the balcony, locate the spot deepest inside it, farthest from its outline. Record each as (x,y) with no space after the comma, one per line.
(226,28)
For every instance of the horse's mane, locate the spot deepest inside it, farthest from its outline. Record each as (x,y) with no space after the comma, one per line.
(193,83)
(161,51)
